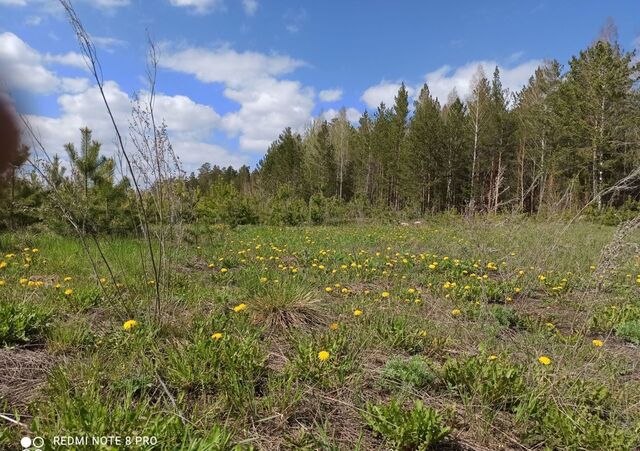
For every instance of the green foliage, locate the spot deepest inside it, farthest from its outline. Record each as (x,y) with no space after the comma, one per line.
(416,372)
(629,330)
(287,208)
(232,366)
(21,323)
(495,382)
(575,427)
(83,409)
(224,204)
(418,428)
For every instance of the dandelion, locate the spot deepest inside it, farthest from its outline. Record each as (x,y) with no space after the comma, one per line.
(328,289)
(130,324)
(211,265)
(2,283)
(240,308)
(357,312)
(422,333)
(223,270)
(24,281)
(68,292)
(385,294)
(263,280)
(544,360)
(68,279)
(492,357)
(334,326)
(597,343)
(216,336)
(35,250)
(323,355)
(456,312)
(3,265)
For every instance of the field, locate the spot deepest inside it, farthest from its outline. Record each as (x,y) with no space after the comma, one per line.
(499,333)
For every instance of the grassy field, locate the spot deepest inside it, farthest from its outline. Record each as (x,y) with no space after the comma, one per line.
(499,333)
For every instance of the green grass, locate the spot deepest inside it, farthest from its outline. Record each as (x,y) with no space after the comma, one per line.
(454,315)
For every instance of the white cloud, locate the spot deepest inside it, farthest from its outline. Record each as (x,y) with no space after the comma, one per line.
(225,65)
(383,92)
(267,104)
(250,6)
(13,2)
(330,95)
(353,115)
(189,124)
(21,66)
(443,80)
(199,6)
(108,43)
(108,4)
(33,21)
(72,59)
(24,68)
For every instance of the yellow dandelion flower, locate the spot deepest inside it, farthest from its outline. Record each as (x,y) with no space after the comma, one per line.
(68,292)
(456,312)
(323,355)
(544,360)
(385,294)
(334,326)
(357,312)
(422,333)
(130,324)
(328,289)
(216,336)
(68,279)
(239,308)
(263,280)
(223,270)
(597,343)
(2,283)
(3,265)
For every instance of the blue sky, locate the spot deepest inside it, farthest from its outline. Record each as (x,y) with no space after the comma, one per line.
(235,72)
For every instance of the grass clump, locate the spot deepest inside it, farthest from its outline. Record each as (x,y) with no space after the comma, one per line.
(416,372)
(21,323)
(495,382)
(629,330)
(418,428)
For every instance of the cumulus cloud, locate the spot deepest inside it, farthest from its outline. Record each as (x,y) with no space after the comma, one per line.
(267,104)
(353,115)
(72,59)
(446,79)
(383,92)
(250,7)
(199,6)
(225,65)
(443,80)
(189,124)
(108,43)
(24,68)
(330,95)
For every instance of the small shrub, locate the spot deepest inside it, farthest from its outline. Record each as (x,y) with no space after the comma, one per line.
(415,372)
(21,323)
(418,428)
(629,330)
(507,317)
(495,382)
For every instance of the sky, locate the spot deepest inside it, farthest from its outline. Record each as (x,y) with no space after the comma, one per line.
(234,73)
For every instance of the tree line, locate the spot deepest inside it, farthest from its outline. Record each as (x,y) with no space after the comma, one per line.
(569,138)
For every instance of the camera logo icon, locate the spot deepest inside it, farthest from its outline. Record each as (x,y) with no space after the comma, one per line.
(29,444)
